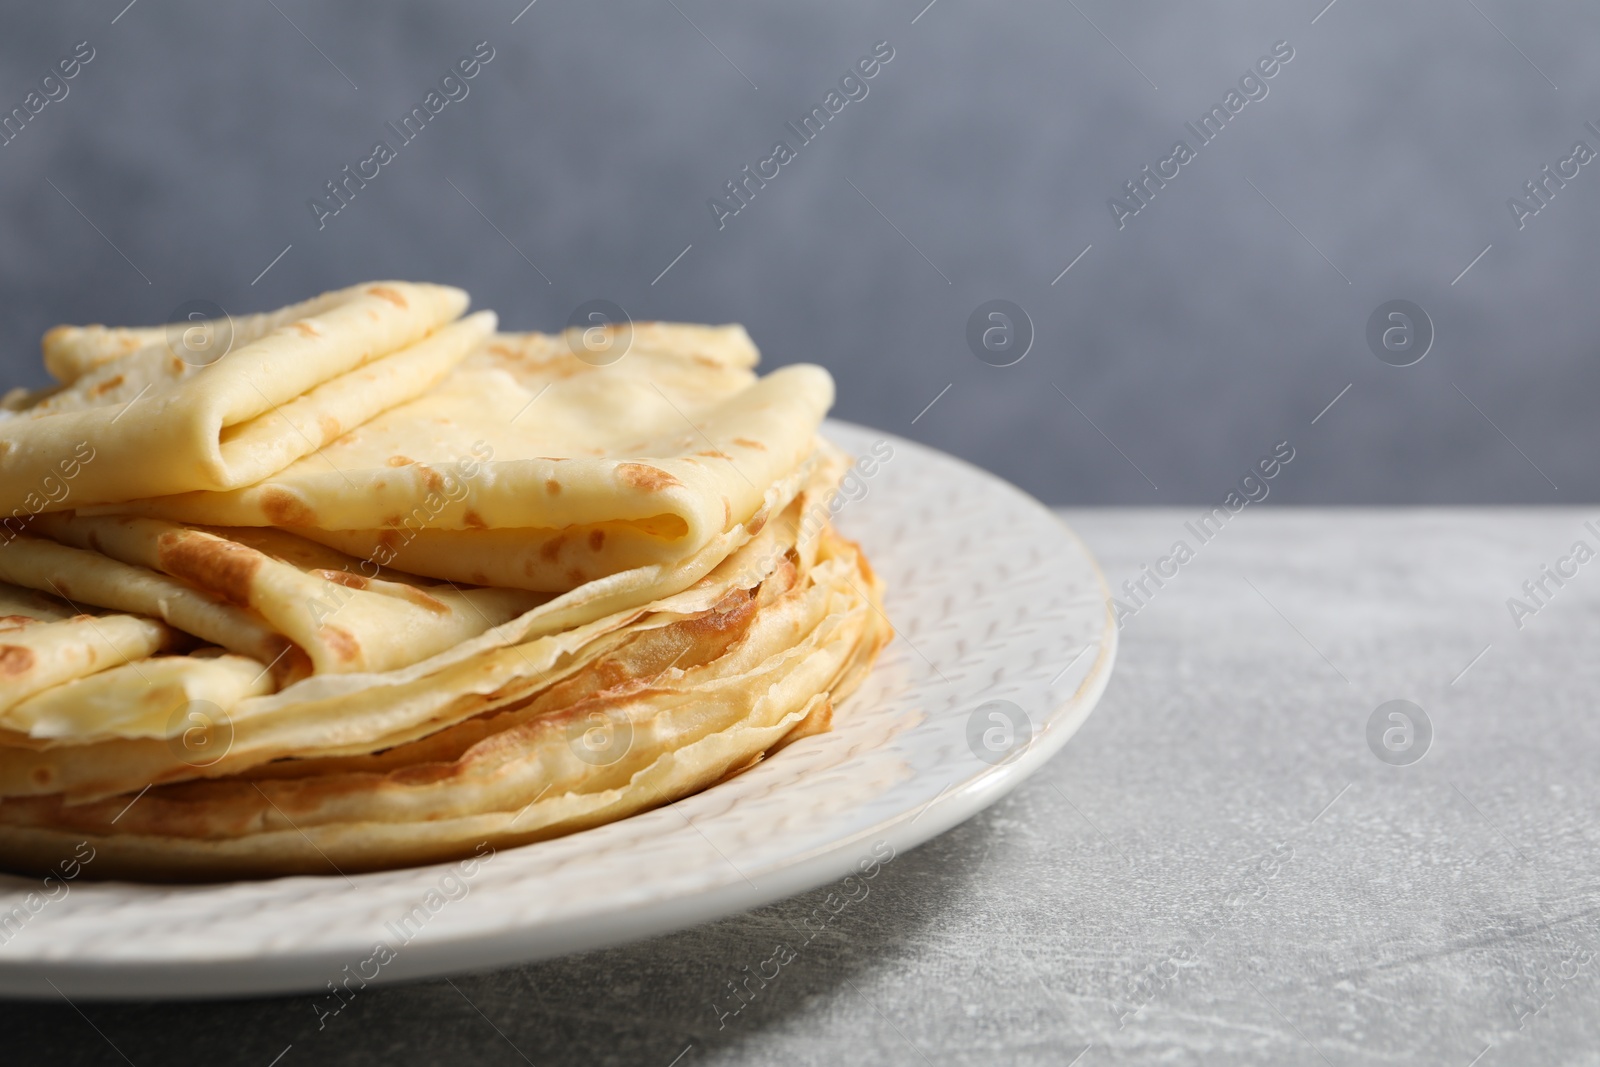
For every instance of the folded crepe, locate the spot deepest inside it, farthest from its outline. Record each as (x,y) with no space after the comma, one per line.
(531,467)
(357,713)
(431,587)
(338,615)
(633,730)
(44,643)
(162,419)
(70,352)
(142,698)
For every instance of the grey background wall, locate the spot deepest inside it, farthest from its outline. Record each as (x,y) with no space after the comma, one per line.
(1218,321)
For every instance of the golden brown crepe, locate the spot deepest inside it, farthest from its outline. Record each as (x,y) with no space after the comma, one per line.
(143,698)
(44,643)
(343,714)
(155,423)
(530,468)
(70,352)
(629,734)
(442,587)
(341,616)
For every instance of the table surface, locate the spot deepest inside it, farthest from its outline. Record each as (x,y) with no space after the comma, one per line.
(1219,868)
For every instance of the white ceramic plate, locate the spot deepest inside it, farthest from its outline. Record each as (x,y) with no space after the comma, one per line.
(993,600)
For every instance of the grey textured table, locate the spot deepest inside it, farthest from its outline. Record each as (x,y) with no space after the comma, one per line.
(1217,869)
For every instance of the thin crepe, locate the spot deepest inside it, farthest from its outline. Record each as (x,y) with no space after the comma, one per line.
(44,644)
(86,577)
(151,423)
(259,593)
(70,352)
(274,678)
(155,697)
(353,714)
(531,468)
(532,774)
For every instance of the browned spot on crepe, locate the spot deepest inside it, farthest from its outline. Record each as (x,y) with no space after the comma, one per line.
(343,644)
(733,611)
(283,508)
(747,443)
(552,487)
(648,479)
(291,664)
(400,461)
(432,479)
(552,548)
(108,385)
(15,660)
(715,454)
(330,428)
(215,565)
(306,329)
(597,538)
(390,295)
(473,521)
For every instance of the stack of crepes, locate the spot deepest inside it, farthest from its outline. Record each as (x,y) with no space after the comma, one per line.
(362,583)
